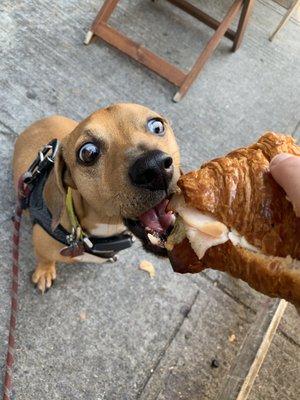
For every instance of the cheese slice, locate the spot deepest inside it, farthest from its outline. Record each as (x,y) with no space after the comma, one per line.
(201,242)
(205,231)
(203,223)
(241,241)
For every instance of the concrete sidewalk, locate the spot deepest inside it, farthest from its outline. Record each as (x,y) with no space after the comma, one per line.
(110,332)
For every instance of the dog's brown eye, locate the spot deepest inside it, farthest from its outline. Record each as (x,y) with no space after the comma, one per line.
(88,153)
(156,126)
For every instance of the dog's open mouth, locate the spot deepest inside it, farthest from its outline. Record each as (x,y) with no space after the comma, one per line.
(153,227)
(157,222)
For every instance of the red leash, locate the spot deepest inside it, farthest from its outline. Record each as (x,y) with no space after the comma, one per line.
(23,192)
(45,156)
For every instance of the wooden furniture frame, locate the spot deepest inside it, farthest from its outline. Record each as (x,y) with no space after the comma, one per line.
(285,19)
(157,64)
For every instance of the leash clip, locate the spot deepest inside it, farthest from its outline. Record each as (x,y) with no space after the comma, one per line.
(75,245)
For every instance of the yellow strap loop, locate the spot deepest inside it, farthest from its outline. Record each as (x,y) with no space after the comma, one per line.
(72,216)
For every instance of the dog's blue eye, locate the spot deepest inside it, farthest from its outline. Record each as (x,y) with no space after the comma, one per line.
(156,126)
(88,153)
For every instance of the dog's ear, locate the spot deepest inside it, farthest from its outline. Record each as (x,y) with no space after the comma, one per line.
(56,187)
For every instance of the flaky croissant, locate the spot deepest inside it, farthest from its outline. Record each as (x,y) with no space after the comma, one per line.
(237,219)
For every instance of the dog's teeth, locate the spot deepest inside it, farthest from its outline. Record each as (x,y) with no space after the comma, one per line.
(154,240)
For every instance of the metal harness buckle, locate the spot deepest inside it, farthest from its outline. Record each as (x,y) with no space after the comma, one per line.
(44,158)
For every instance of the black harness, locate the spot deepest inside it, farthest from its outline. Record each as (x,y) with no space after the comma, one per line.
(36,178)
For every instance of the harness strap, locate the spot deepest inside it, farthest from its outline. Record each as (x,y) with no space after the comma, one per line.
(79,234)
(70,209)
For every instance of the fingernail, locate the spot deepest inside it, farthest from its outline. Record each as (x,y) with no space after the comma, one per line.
(279,158)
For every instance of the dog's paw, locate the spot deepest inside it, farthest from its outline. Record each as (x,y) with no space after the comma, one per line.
(43,277)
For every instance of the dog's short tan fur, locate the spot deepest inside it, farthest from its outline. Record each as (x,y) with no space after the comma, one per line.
(102,194)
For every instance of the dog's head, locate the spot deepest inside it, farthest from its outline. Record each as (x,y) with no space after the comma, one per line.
(124,161)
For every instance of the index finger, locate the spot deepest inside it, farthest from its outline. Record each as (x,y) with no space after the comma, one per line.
(285,169)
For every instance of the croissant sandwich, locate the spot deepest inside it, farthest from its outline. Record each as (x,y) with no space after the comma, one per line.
(232,216)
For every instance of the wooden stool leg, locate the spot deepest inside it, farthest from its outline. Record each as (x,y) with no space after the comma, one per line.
(285,19)
(243,22)
(102,16)
(208,50)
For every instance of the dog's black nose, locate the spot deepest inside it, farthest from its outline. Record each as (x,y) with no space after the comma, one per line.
(153,170)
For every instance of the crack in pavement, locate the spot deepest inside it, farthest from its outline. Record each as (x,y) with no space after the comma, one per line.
(168,344)
(297,128)
(8,128)
(226,291)
(288,337)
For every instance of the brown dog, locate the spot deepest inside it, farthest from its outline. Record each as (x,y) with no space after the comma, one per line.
(121,163)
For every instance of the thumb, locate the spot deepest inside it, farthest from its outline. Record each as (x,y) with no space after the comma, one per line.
(285,169)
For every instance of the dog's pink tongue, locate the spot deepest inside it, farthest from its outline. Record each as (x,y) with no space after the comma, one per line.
(157,219)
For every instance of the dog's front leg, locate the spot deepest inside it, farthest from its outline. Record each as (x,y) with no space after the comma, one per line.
(47,252)
(44,274)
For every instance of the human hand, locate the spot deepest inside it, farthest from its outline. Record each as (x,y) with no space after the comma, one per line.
(285,169)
